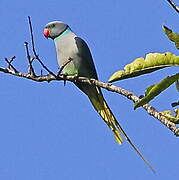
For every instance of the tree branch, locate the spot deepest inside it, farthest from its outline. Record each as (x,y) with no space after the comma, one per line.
(36,56)
(9,62)
(174,5)
(30,59)
(53,77)
(129,95)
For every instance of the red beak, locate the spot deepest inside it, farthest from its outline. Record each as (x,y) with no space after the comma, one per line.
(46,32)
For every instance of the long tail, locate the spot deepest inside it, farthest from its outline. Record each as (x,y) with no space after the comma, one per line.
(104,111)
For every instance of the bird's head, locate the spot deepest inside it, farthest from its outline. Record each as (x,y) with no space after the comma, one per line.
(54,29)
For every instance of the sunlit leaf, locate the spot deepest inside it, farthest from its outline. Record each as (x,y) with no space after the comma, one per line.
(140,66)
(172,36)
(172,116)
(156,89)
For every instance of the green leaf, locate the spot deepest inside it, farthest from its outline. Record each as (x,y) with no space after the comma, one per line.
(172,116)
(156,89)
(172,36)
(140,66)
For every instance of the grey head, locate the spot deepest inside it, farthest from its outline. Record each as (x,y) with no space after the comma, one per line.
(54,29)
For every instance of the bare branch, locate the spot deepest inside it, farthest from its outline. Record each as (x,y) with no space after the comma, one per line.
(30,59)
(9,62)
(62,67)
(53,77)
(32,36)
(47,78)
(150,110)
(174,5)
(34,50)
(45,67)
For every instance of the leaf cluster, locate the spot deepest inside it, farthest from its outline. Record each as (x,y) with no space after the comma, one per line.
(148,64)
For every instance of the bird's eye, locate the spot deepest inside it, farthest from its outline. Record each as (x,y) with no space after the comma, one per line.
(53,25)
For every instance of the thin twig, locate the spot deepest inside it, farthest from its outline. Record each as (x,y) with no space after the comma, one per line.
(61,69)
(45,67)
(174,5)
(34,51)
(64,65)
(32,36)
(41,72)
(10,65)
(12,59)
(30,59)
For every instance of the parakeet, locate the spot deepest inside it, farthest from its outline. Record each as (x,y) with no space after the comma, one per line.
(71,47)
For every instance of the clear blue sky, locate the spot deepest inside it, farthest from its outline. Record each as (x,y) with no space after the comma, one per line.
(51,132)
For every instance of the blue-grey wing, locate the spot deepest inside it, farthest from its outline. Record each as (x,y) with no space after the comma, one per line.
(87,68)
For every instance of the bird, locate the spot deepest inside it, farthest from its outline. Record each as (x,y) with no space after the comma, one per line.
(73,54)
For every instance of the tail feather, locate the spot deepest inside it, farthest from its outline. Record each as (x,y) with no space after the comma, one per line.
(104,111)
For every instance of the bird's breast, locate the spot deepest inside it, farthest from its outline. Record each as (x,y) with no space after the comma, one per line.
(67,53)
